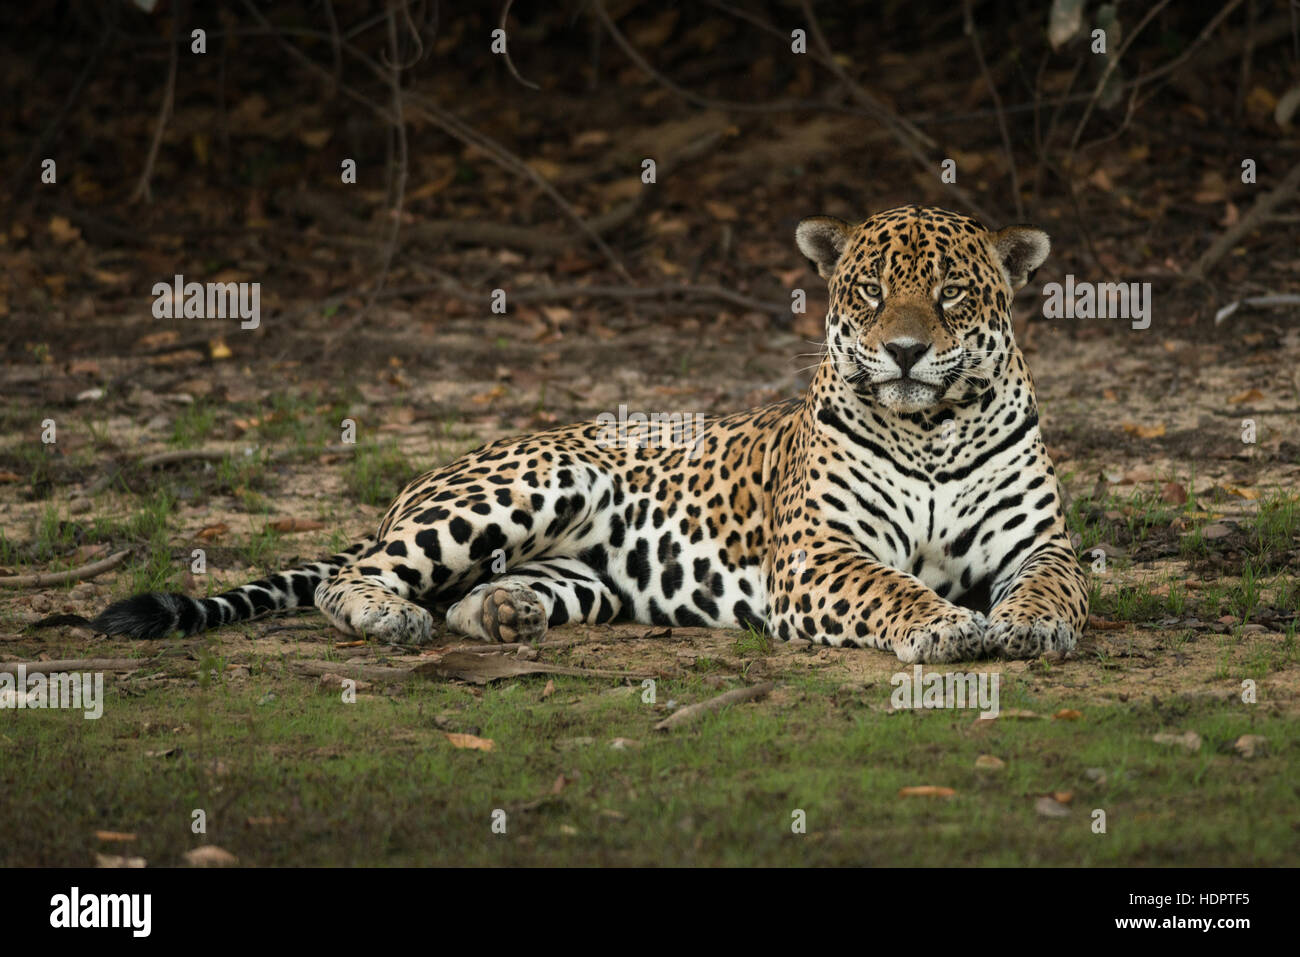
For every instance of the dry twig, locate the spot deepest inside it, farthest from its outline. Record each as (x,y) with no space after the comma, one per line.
(44,579)
(694,712)
(164,113)
(1257,214)
(74,664)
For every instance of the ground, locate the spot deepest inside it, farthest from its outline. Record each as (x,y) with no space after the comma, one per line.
(1167,738)
(1196,597)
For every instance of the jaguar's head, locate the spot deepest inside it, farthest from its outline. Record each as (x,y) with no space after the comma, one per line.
(920,301)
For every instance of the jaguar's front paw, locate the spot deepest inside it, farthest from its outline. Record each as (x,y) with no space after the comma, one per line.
(956,635)
(1009,638)
(502,610)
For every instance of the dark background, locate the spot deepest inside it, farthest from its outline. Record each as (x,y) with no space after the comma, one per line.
(1135,181)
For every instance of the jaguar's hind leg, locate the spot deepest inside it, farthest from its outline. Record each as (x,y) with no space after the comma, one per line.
(522,603)
(374,606)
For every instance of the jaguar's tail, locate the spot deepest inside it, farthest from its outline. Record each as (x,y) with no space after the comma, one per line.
(159,614)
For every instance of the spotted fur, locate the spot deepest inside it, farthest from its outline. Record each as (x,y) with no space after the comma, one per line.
(905,502)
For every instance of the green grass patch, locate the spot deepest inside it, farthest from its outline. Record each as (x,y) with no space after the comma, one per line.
(194,425)
(299,777)
(1276,526)
(377,473)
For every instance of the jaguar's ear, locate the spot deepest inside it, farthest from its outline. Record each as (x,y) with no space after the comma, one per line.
(1021,250)
(822,239)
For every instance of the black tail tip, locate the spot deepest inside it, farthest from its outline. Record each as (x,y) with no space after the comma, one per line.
(154,615)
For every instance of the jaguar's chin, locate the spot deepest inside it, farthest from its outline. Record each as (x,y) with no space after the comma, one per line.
(906,395)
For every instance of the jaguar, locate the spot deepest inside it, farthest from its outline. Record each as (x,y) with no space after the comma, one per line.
(904,502)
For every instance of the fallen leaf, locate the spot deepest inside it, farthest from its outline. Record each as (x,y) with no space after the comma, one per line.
(1063,797)
(296,525)
(469,741)
(209,532)
(549,689)
(62,230)
(433,187)
(722,211)
(1246,493)
(1068,714)
(1173,493)
(926,790)
(186,357)
(156,340)
(1102,624)
(1250,395)
(217,349)
(115,837)
(1137,476)
(987,762)
(1145,431)
(314,139)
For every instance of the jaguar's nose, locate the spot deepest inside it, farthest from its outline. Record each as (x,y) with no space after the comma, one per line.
(907,353)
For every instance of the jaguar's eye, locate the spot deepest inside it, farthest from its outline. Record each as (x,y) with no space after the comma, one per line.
(949,293)
(869,290)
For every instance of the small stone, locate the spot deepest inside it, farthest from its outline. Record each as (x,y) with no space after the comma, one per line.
(209,855)
(987,762)
(1251,745)
(1050,807)
(1188,740)
(333,682)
